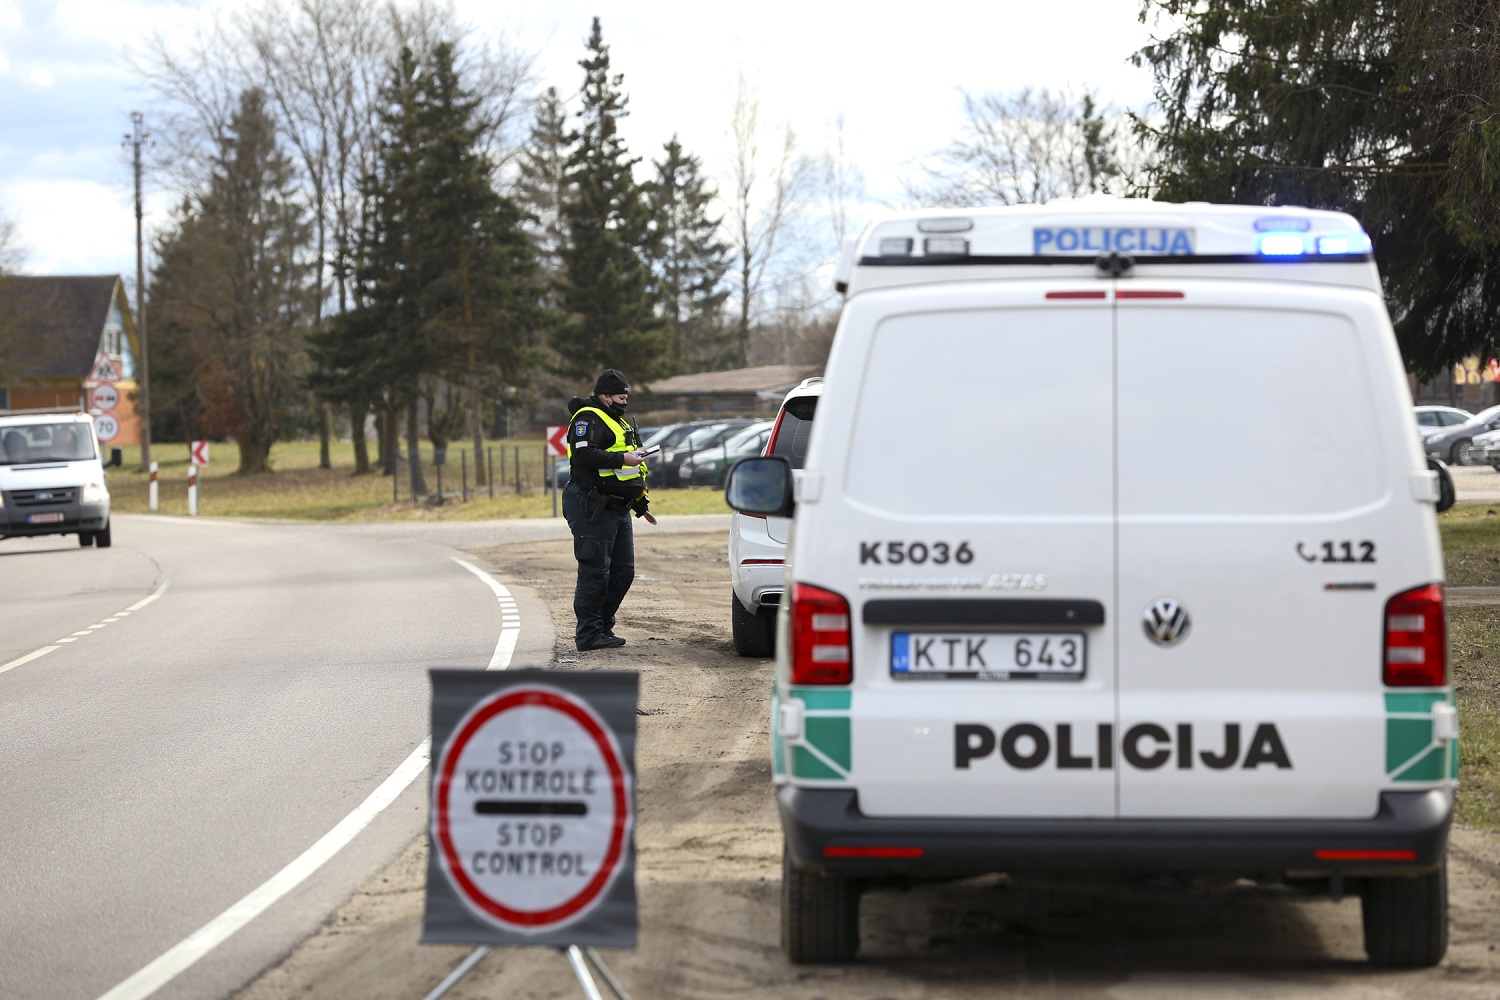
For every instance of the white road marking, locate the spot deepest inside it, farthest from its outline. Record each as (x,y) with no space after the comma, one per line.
(71,638)
(218,930)
(160,972)
(27,658)
(510,624)
(138,605)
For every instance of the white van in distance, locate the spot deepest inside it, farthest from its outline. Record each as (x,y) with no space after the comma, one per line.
(1044,614)
(51,479)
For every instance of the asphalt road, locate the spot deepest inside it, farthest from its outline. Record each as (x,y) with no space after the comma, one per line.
(162,764)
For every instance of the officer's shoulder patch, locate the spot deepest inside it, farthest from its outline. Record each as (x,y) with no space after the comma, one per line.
(582,427)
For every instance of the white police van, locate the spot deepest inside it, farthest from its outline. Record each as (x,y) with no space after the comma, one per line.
(1113,550)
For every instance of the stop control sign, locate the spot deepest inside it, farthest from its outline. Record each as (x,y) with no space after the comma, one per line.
(533,810)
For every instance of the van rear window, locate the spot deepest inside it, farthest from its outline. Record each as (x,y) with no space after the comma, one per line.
(1246,412)
(987,413)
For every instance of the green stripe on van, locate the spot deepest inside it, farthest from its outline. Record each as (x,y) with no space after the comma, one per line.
(831,737)
(1413,701)
(805,764)
(823,700)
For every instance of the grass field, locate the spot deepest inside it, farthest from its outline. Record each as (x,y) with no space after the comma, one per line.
(1474,641)
(299,490)
(1471,545)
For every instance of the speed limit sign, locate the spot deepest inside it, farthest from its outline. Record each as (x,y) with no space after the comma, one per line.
(106,427)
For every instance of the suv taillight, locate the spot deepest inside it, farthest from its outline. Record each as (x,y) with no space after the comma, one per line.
(820,637)
(1416,639)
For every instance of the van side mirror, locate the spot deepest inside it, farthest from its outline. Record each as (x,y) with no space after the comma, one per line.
(116,457)
(1447,495)
(762,485)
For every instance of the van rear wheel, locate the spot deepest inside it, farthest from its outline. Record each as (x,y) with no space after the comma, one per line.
(101,537)
(85,538)
(1406,919)
(754,633)
(819,915)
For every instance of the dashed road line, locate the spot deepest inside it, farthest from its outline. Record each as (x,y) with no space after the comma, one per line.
(510,618)
(81,633)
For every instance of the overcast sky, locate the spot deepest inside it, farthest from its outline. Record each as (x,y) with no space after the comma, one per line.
(66,89)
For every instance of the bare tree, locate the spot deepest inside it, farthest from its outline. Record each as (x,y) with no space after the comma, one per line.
(766,200)
(1032,146)
(843,183)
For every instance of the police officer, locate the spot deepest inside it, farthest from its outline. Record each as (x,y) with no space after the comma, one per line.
(607,483)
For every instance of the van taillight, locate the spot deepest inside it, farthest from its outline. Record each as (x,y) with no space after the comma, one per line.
(1416,639)
(820,637)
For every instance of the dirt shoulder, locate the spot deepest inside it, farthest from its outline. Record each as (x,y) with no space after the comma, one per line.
(709,848)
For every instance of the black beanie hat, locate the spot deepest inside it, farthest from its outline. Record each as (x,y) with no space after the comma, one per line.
(611,383)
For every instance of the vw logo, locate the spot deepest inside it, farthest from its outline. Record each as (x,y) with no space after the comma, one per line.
(44,496)
(1166,622)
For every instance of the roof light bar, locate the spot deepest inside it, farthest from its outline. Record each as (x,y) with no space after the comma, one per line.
(950,246)
(1344,243)
(945,225)
(1279,224)
(1281,245)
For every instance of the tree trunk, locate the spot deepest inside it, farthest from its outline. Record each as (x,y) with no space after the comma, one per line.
(325,434)
(255,456)
(357,414)
(413,450)
(383,447)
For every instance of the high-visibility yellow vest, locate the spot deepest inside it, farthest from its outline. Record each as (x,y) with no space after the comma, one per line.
(620,445)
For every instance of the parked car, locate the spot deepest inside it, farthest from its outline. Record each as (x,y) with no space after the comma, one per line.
(708,468)
(757,545)
(1435,419)
(1455,444)
(1486,450)
(664,470)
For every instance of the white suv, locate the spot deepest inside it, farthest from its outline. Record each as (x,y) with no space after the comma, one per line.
(1204,649)
(757,544)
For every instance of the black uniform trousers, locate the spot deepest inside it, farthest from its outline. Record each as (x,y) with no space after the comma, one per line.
(605,550)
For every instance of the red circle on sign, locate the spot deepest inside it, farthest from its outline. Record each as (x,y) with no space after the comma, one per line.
(606,744)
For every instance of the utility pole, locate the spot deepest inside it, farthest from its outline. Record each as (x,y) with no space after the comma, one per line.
(136,139)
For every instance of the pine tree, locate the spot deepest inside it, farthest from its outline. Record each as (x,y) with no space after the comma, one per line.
(606,289)
(690,264)
(543,186)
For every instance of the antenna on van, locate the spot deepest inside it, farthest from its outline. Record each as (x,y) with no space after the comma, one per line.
(1114,264)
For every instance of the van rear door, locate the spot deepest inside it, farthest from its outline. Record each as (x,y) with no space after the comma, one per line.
(974,539)
(1266,513)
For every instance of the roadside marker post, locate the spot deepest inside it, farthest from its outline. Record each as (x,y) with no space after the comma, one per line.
(532,819)
(152,490)
(192,490)
(556,447)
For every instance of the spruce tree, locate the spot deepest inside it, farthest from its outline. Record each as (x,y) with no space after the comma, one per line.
(690,264)
(543,185)
(606,286)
